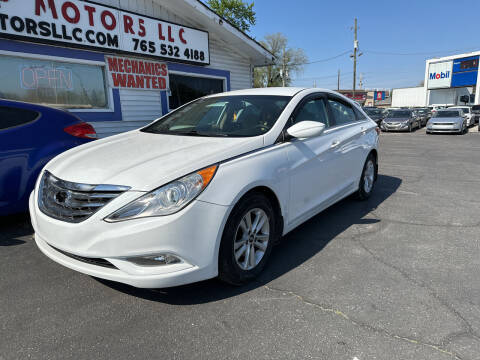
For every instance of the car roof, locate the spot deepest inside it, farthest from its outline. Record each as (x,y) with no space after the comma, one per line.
(279,91)
(284,91)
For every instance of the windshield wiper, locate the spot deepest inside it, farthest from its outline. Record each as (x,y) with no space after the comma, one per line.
(189,133)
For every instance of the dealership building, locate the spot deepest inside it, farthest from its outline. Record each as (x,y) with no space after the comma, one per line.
(452,80)
(120,64)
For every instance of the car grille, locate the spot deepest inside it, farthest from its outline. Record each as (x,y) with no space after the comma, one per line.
(443,123)
(92,261)
(73,202)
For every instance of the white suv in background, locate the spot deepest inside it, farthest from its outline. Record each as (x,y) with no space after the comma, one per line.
(467,111)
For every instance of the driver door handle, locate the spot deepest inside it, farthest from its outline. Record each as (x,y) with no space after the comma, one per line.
(335,143)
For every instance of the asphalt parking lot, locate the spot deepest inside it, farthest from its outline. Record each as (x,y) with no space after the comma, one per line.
(396,277)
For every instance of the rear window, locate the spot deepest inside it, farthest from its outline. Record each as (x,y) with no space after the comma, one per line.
(12,116)
(476,107)
(373,111)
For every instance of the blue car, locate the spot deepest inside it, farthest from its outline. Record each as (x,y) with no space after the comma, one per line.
(31,135)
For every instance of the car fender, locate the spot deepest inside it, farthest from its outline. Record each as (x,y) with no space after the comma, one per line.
(266,167)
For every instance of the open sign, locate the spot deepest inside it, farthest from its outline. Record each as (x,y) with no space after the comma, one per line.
(34,77)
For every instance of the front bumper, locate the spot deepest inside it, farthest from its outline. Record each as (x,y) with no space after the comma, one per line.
(436,128)
(192,234)
(394,126)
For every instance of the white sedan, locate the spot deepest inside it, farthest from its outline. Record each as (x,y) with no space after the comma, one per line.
(207,189)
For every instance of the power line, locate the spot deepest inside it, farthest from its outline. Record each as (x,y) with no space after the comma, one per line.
(321,60)
(417,53)
(324,77)
(327,59)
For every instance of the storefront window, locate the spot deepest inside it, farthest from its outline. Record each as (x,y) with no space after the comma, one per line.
(187,88)
(54,83)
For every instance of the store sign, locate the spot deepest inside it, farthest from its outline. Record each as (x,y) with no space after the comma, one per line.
(440,75)
(129,73)
(86,24)
(465,71)
(359,95)
(379,95)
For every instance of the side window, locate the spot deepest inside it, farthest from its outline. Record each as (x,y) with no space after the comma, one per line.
(10,117)
(359,114)
(342,113)
(313,110)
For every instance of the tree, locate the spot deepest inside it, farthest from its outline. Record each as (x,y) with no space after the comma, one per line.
(239,13)
(288,61)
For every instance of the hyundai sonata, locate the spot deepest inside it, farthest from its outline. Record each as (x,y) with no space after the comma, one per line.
(207,189)
(400,120)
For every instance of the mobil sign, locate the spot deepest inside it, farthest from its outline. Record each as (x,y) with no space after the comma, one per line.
(440,75)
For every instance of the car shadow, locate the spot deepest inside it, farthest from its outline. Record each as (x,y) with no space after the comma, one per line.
(293,250)
(13,227)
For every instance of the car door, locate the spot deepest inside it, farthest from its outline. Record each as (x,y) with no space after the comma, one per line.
(16,145)
(348,143)
(311,162)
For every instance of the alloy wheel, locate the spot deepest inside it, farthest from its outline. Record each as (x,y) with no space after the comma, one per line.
(251,239)
(369,176)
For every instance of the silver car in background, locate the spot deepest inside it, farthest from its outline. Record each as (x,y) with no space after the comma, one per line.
(447,121)
(400,120)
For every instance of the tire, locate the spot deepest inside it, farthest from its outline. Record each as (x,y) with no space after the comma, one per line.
(410,128)
(364,192)
(230,269)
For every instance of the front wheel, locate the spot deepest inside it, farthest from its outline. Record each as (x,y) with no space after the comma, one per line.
(247,240)
(367,181)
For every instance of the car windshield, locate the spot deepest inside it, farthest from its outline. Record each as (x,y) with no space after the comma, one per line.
(371,112)
(235,116)
(447,113)
(422,111)
(399,114)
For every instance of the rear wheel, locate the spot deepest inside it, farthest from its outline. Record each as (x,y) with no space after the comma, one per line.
(247,240)
(369,176)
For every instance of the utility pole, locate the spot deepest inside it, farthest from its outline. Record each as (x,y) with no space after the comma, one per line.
(283,68)
(355,47)
(338,80)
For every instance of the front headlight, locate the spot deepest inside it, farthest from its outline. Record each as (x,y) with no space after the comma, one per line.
(167,199)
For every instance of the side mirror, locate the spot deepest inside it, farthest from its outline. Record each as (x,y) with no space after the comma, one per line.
(306,129)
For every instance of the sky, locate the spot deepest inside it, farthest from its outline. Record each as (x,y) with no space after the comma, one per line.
(395,37)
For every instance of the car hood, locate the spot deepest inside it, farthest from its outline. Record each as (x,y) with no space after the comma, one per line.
(446,119)
(145,161)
